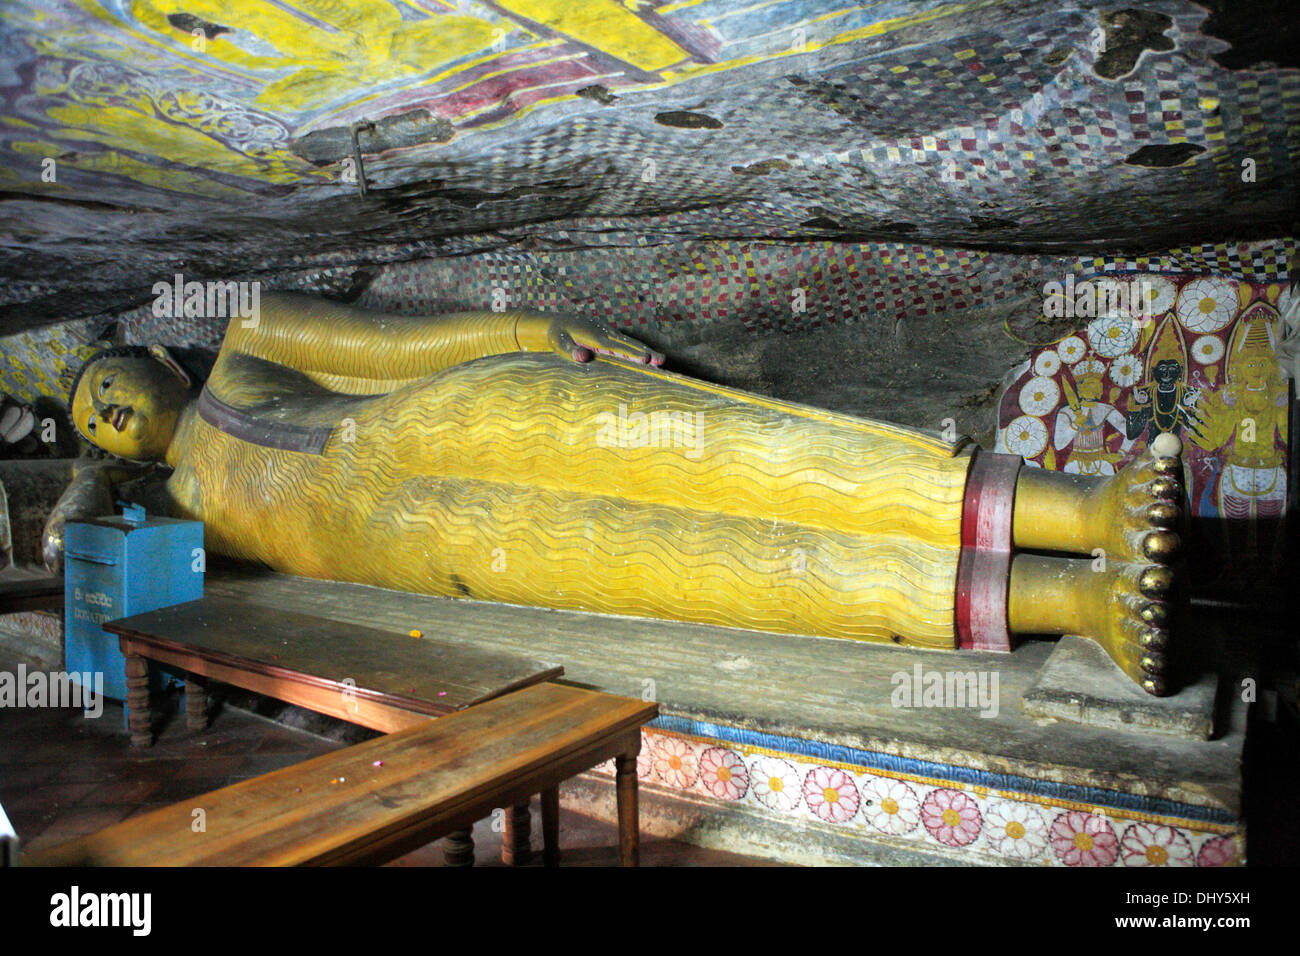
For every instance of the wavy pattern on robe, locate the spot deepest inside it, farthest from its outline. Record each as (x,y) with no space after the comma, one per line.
(605,487)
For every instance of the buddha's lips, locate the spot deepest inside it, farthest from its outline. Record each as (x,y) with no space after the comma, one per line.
(120,417)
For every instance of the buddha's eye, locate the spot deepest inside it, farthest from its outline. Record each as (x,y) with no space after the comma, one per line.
(90,424)
(103,386)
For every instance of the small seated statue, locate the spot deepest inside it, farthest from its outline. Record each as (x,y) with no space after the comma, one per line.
(544,460)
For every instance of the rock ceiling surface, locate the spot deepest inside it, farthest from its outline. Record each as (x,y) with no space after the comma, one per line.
(225,140)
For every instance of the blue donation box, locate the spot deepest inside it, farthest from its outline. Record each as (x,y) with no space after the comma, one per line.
(118,566)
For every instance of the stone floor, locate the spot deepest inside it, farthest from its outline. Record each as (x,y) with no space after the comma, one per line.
(63,776)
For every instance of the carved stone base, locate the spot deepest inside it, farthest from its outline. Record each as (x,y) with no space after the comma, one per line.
(1081,684)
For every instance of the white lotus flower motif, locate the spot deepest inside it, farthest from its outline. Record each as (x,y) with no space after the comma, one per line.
(1207,305)
(1026,436)
(1208,349)
(1039,395)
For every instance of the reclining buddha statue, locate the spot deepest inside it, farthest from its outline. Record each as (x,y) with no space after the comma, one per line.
(544,460)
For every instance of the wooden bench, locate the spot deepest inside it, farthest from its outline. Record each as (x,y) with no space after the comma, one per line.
(375,678)
(380,799)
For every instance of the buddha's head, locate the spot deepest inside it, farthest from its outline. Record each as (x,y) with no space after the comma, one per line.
(127,401)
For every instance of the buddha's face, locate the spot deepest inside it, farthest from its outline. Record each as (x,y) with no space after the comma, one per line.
(128,406)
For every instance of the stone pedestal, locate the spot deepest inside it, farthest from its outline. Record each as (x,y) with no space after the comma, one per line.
(811,750)
(1080,683)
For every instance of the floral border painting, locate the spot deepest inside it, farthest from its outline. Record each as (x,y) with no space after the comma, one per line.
(984,825)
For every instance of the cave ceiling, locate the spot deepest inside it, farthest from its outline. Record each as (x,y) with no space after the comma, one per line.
(254,140)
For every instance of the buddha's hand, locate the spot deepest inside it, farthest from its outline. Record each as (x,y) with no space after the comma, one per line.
(583,339)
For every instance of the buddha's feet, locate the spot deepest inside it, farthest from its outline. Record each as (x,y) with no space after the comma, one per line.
(1121,594)
(1138,514)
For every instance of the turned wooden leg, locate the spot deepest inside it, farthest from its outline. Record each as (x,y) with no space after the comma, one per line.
(196,706)
(458,848)
(551,826)
(139,719)
(516,838)
(629,828)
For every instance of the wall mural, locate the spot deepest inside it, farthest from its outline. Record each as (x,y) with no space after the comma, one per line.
(1197,358)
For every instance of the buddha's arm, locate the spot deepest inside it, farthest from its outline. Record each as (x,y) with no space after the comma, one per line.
(352,350)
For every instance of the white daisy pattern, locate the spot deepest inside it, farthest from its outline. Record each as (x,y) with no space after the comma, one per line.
(775,783)
(1156,296)
(1126,370)
(892,806)
(1112,336)
(1207,305)
(1047,363)
(1039,395)
(1208,349)
(1015,830)
(1071,349)
(1026,436)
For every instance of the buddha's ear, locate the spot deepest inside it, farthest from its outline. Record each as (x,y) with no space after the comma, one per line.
(162,355)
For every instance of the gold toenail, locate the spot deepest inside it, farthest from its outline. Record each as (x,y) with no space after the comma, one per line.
(1154,686)
(1162,514)
(1157,614)
(1164,487)
(1167,466)
(1160,546)
(1154,639)
(1155,582)
(1152,665)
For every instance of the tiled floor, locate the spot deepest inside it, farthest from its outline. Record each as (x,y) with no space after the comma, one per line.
(63,776)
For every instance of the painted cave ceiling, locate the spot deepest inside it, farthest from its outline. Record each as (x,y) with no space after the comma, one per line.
(300,141)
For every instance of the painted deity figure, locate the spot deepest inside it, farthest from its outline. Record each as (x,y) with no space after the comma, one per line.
(1247,417)
(1164,404)
(482,455)
(1084,420)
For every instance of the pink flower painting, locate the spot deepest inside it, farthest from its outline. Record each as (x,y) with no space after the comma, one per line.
(675,762)
(1145,844)
(831,794)
(1084,839)
(951,817)
(723,773)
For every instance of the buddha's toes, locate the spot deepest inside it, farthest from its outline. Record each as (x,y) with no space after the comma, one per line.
(1138,514)
(1134,517)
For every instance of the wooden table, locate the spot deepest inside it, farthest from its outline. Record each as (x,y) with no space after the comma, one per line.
(380,799)
(378,679)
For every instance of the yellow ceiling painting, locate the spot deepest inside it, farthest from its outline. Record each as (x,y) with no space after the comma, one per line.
(206,96)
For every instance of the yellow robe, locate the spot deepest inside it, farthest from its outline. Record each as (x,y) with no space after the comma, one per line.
(529,479)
